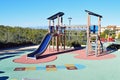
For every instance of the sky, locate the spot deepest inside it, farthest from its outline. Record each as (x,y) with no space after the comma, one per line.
(28,13)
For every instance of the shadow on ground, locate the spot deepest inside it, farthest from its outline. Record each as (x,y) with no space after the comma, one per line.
(27,49)
(56,53)
(2,72)
(2,54)
(6,57)
(4,78)
(114,46)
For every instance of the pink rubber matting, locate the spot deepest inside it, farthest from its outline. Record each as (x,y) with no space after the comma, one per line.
(82,55)
(24,60)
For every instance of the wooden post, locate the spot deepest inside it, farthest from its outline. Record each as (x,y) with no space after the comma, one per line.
(99,31)
(60,35)
(99,25)
(49,23)
(53,37)
(88,35)
(57,38)
(64,36)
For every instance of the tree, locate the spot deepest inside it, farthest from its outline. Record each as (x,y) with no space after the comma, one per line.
(20,35)
(107,32)
(119,36)
(103,35)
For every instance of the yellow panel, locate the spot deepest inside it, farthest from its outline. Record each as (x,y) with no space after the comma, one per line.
(30,68)
(68,65)
(51,69)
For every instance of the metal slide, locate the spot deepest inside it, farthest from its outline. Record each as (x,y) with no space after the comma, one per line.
(43,46)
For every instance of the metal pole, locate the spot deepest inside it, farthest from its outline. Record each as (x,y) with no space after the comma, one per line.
(69,18)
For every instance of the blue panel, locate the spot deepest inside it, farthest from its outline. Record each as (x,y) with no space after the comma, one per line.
(94,28)
(51,28)
(79,66)
(60,67)
(41,68)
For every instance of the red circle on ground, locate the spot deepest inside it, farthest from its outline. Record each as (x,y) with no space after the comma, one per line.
(25,60)
(81,54)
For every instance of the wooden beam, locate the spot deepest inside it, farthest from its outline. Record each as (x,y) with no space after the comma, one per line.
(92,13)
(55,16)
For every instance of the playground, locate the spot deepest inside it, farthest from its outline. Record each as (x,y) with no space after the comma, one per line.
(66,66)
(52,59)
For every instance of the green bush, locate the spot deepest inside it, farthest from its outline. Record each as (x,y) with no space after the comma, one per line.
(102,35)
(18,35)
(75,44)
(113,36)
(119,36)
